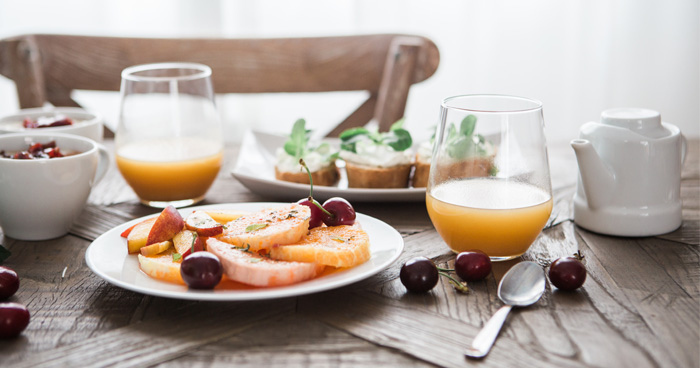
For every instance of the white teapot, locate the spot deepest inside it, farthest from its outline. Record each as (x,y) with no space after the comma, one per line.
(629,174)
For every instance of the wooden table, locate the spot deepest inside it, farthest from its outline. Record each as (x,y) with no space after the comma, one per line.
(638,308)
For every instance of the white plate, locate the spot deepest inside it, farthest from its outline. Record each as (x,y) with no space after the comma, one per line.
(255,168)
(108,258)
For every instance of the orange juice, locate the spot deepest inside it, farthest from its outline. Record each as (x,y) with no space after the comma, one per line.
(501,218)
(170,170)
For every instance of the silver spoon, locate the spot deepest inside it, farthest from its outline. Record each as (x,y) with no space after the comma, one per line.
(521,286)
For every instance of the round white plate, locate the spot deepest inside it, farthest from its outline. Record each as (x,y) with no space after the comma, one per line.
(255,169)
(108,258)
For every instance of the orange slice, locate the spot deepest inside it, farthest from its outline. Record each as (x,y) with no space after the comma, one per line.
(162,267)
(337,246)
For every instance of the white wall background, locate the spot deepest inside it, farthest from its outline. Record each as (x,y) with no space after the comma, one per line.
(578,57)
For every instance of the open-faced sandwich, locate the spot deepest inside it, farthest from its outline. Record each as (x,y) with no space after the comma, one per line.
(320,159)
(424,154)
(377,159)
(470,155)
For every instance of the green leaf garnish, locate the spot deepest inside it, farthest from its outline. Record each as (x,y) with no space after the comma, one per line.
(397,125)
(296,144)
(177,257)
(246,249)
(4,254)
(254,227)
(466,128)
(338,239)
(464,143)
(397,138)
(400,141)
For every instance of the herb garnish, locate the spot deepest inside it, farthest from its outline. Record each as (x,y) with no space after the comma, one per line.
(246,249)
(254,227)
(254,260)
(177,257)
(464,143)
(338,239)
(397,137)
(298,146)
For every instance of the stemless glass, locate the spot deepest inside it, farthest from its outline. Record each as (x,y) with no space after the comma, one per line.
(489,186)
(169,144)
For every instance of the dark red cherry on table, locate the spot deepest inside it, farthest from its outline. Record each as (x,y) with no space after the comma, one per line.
(568,273)
(9,282)
(419,275)
(473,265)
(201,270)
(14,318)
(340,211)
(316,219)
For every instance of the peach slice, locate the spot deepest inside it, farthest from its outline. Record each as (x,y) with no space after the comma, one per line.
(225,216)
(138,236)
(185,240)
(162,267)
(203,224)
(168,224)
(156,248)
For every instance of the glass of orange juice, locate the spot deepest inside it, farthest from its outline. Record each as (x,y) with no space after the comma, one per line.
(169,144)
(489,186)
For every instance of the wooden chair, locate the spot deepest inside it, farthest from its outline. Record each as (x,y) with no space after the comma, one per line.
(46,68)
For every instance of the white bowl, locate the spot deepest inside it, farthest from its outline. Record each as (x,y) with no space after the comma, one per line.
(40,198)
(86,124)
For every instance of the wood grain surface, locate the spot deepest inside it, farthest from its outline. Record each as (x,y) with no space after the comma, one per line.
(639,307)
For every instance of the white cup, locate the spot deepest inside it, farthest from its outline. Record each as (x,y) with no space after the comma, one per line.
(41,198)
(86,124)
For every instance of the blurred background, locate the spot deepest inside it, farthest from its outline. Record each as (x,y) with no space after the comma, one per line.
(577,57)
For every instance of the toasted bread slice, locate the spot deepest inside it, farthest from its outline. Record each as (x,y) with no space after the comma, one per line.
(421,173)
(327,176)
(361,176)
(337,246)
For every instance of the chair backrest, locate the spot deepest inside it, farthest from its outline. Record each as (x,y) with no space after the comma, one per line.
(46,68)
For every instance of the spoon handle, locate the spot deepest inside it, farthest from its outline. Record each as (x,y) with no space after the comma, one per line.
(485,338)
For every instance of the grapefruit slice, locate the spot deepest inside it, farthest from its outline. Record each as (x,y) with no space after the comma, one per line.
(253,269)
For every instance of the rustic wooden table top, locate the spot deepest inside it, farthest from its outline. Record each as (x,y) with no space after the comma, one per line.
(640,306)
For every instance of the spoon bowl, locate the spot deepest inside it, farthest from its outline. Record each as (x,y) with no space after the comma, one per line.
(521,286)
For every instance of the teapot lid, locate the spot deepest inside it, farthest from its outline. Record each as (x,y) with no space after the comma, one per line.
(641,121)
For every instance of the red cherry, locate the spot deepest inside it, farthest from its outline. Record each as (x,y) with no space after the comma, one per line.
(567,273)
(472,265)
(9,282)
(316,219)
(341,212)
(14,318)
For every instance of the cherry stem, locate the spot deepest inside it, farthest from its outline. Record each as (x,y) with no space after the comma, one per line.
(460,286)
(311,189)
(311,180)
(445,269)
(315,202)
(194,239)
(578,255)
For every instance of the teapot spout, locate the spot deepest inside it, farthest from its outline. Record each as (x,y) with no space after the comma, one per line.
(596,177)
